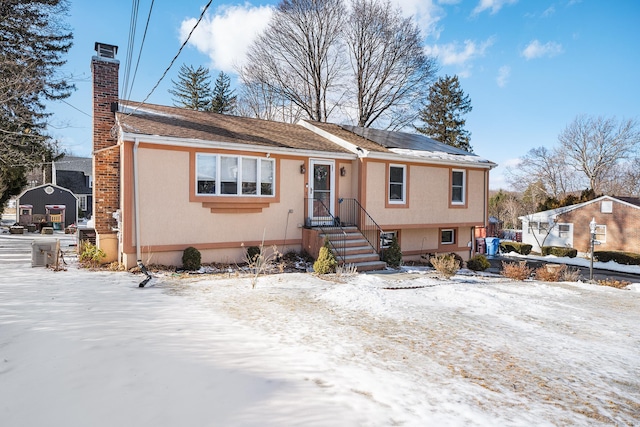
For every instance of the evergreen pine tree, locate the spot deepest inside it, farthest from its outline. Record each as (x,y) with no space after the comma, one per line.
(33,41)
(224,99)
(393,254)
(193,88)
(442,115)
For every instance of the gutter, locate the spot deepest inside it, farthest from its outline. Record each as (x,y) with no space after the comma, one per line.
(136,212)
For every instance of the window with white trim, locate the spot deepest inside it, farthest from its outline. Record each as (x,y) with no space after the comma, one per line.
(397,183)
(222,175)
(458,190)
(601,233)
(448,236)
(564,230)
(82,203)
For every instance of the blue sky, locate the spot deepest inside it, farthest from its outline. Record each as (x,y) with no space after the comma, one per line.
(529,66)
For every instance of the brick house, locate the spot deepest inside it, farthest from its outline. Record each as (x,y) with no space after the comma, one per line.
(617,219)
(167,178)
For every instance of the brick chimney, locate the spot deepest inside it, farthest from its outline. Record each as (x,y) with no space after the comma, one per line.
(106,153)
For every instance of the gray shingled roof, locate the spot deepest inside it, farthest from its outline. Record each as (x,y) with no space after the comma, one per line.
(73,163)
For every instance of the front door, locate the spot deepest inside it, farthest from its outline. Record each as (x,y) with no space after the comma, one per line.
(321,191)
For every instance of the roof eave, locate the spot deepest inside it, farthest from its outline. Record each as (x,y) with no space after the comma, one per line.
(199,143)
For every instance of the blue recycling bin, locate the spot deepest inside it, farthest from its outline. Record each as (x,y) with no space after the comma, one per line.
(493,243)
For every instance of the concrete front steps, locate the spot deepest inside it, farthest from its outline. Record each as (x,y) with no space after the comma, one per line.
(357,250)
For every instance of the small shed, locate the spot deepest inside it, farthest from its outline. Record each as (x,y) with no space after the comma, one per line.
(48,203)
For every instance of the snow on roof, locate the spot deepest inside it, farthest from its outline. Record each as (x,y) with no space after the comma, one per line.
(440,155)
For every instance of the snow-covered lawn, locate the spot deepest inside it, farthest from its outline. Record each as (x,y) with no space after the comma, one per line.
(81,348)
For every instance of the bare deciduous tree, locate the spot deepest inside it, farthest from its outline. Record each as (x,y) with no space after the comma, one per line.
(595,145)
(546,167)
(299,56)
(390,69)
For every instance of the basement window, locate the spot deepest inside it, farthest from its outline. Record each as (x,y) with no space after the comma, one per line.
(222,175)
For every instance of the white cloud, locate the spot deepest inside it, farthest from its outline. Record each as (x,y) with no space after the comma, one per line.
(549,11)
(535,49)
(457,54)
(226,36)
(425,12)
(494,5)
(503,75)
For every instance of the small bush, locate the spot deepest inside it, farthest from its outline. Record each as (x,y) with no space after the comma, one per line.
(570,275)
(446,265)
(559,251)
(191,259)
(549,274)
(326,262)
(620,284)
(521,248)
(478,263)
(252,253)
(625,258)
(90,254)
(393,255)
(516,270)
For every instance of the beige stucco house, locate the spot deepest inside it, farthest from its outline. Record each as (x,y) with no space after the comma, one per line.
(166,178)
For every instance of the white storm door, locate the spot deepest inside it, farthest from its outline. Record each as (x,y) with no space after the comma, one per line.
(321,191)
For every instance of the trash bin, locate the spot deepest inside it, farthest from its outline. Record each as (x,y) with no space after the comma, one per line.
(493,243)
(480,246)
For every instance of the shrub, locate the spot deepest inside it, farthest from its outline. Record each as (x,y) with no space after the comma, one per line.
(252,253)
(90,254)
(626,258)
(559,251)
(326,262)
(570,275)
(549,274)
(516,270)
(446,265)
(521,248)
(620,284)
(191,259)
(393,255)
(478,263)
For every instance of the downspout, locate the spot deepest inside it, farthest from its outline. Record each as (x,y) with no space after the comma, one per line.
(136,212)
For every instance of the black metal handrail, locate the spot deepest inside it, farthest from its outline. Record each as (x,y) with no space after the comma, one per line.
(351,212)
(322,218)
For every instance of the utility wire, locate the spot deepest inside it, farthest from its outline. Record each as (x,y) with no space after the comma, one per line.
(174,58)
(144,36)
(76,108)
(135,6)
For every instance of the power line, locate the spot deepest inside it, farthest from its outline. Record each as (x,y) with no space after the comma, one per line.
(76,108)
(175,57)
(144,36)
(135,6)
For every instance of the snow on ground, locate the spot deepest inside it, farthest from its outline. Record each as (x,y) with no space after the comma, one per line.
(84,348)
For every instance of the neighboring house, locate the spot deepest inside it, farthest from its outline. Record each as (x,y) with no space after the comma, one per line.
(617,219)
(76,174)
(48,203)
(168,178)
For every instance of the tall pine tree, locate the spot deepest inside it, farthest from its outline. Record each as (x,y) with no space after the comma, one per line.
(33,41)
(193,88)
(224,98)
(442,114)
